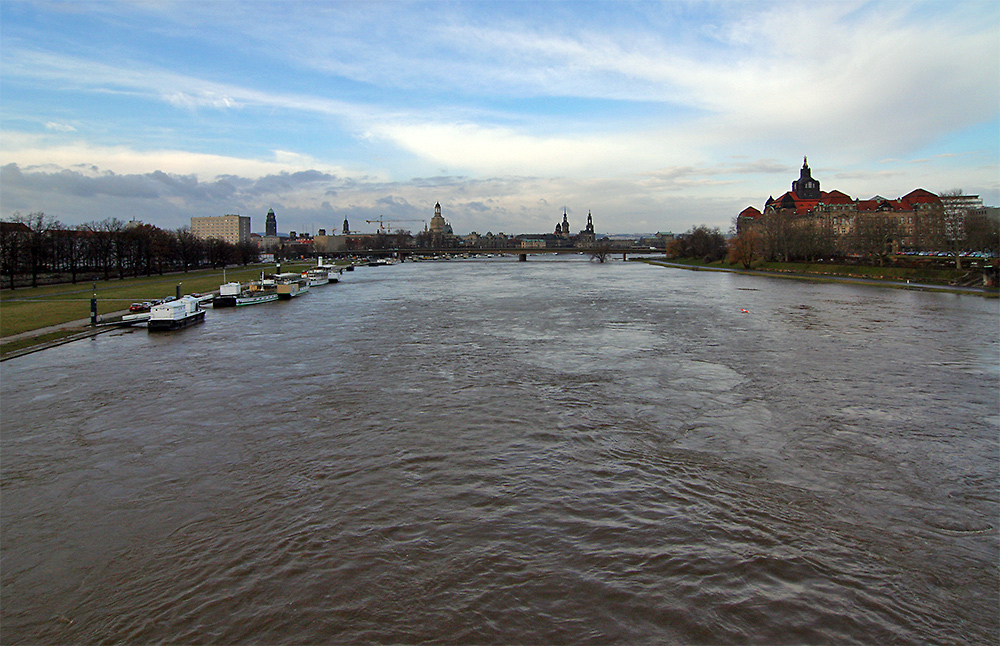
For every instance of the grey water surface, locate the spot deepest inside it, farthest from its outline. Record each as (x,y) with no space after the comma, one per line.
(495,452)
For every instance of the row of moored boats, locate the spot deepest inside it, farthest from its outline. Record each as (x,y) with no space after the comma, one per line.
(267,289)
(188,310)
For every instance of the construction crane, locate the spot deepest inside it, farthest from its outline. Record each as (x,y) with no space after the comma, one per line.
(382,224)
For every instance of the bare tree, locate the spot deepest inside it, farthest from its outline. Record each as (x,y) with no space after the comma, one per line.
(103,240)
(69,249)
(13,235)
(163,248)
(142,239)
(39,247)
(189,248)
(745,246)
(775,230)
(403,239)
(814,239)
(874,234)
(219,252)
(121,246)
(247,252)
(601,250)
(705,243)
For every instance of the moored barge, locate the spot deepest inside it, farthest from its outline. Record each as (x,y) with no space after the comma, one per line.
(176,314)
(290,285)
(237,295)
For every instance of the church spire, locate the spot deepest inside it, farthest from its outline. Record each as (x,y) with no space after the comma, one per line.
(806,187)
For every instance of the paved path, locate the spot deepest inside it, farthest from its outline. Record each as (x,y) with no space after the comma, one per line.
(68,325)
(82,326)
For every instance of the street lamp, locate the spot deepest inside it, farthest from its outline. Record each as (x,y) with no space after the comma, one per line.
(93,307)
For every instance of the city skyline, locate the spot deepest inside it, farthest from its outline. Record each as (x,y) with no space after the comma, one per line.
(654,116)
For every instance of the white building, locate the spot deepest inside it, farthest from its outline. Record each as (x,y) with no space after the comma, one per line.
(956,207)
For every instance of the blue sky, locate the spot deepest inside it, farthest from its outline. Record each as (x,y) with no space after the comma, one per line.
(654,116)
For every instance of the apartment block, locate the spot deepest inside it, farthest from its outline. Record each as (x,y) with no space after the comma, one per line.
(234,229)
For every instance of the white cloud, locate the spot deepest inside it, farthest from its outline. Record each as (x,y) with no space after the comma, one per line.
(499,150)
(642,112)
(206,99)
(824,80)
(59,127)
(156,83)
(30,151)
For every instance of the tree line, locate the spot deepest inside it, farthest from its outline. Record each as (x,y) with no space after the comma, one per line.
(782,237)
(779,236)
(36,245)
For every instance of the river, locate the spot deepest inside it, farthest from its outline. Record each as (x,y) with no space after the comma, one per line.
(495,452)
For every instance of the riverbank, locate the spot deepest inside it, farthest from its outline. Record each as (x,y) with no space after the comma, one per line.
(892,277)
(18,345)
(32,319)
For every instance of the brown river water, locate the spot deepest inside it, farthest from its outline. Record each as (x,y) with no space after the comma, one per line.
(494,452)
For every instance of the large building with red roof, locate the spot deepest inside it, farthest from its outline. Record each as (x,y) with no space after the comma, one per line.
(914,221)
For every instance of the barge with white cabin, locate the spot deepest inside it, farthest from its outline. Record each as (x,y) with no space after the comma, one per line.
(176,314)
(237,295)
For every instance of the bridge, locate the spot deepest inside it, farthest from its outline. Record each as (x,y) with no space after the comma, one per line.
(521,252)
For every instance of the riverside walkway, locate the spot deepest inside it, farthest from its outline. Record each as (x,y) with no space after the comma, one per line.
(82,327)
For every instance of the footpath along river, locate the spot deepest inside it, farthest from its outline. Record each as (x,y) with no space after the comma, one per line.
(550,452)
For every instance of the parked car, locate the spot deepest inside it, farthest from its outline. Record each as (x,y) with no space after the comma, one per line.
(136,307)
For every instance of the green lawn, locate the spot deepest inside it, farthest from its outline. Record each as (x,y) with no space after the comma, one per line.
(887,272)
(26,309)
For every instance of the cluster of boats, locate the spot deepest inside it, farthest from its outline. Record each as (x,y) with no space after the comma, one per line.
(267,289)
(187,310)
(277,286)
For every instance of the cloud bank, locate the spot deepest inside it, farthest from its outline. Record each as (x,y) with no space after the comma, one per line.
(653,116)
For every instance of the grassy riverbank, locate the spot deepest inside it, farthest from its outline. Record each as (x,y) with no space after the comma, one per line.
(904,276)
(27,309)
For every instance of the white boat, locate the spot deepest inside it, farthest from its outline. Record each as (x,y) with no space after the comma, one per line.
(254,298)
(237,295)
(291,285)
(317,276)
(178,313)
(332,271)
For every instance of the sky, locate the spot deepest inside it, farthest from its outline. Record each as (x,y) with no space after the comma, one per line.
(652,116)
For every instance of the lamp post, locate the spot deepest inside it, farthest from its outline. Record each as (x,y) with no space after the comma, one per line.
(93,307)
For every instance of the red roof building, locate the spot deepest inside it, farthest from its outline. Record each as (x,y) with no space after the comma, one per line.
(912,221)
(14,227)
